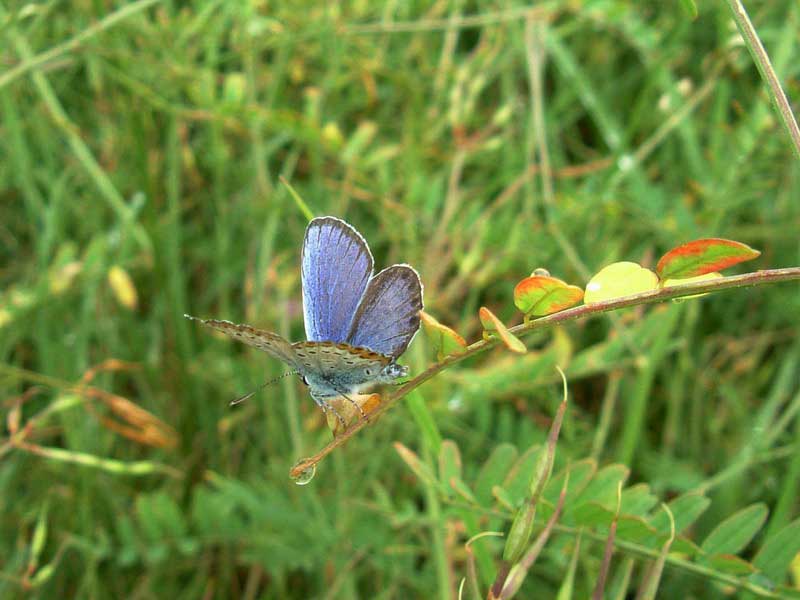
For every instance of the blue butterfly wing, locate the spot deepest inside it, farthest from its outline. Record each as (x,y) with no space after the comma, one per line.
(388,316)
(336,268)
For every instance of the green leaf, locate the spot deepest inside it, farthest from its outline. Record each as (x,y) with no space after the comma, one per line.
(703,256)
(462,489)
(128,550)
(735,532)
(147,518)
(519,477)
(541,295)
(637,500)
(503,498)
(690,7)
(634,529)
(629,527)
(617,280)
(730,564)
(494,472)
(603,488)
(39,538)
(444,340)
(686,509)
(592,514)
(777,553)
(491,324)
(169,515)
(681,545)
(580,473)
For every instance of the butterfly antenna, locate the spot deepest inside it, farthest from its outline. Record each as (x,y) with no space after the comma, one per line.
(259,388)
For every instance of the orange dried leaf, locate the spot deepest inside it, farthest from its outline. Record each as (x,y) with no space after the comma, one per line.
(703,256)
(365,405)
(540,295)
(134,422)
(444,340)
(491,324)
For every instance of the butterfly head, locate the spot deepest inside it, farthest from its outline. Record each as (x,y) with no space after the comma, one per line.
(391,372)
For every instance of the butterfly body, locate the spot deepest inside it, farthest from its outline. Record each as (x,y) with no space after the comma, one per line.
(357,323)
(331,369)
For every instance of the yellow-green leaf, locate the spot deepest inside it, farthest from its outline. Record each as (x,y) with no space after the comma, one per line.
(617,280)
(122,286)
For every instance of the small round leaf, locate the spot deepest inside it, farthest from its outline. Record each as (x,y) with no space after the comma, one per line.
(541,295)
(617,280)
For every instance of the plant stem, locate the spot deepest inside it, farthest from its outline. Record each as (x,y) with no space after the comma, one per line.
(549,321)
(768,74)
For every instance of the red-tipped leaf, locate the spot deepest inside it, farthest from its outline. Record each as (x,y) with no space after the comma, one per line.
(703,256)
(540,295)
(444,340)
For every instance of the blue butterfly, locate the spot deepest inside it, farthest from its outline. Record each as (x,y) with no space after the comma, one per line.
(357,324)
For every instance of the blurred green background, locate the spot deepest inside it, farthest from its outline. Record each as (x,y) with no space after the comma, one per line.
(141,147)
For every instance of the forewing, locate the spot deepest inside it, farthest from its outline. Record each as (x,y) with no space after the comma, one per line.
(336,267)
(267,341)
(388,316)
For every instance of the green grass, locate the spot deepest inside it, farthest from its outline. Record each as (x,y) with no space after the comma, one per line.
(156,143)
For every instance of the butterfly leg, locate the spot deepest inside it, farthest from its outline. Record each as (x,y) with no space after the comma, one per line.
(351,401)
(357,405)
(322,402)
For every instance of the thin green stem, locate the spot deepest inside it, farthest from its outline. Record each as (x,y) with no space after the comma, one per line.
(81,150)
(761,58)
(437,532)
(673,560)
(32,62)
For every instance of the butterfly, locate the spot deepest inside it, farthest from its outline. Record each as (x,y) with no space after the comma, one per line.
(357,323)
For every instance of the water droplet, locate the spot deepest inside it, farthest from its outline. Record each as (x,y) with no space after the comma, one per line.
(306,475)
